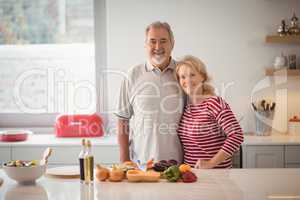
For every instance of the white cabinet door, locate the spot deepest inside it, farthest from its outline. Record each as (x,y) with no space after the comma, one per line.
(292,165)
(292,156)
(4,155)
(236,160)
(263,156)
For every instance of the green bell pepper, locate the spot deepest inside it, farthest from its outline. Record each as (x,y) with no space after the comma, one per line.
(172,173)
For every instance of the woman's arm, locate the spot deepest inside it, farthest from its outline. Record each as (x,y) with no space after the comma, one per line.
(231,128)
(217,159)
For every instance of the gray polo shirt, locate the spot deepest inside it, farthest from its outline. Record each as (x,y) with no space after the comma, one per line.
(153,103)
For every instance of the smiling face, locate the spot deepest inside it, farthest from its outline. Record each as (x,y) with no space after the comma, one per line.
(190,80)
(159,47)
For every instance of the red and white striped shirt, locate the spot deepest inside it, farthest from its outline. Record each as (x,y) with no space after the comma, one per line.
(207,127)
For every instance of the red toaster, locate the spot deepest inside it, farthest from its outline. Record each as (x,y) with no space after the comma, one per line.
(79,126)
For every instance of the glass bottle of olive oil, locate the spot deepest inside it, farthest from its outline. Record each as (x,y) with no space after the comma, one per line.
(88,164)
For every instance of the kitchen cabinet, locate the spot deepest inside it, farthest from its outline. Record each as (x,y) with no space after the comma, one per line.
(271,156)
(292,156)
(236,160)
(263,156)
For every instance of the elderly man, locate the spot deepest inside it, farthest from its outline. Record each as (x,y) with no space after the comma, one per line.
(151,102)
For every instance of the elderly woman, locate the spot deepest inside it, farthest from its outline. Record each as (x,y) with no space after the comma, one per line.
(208,129)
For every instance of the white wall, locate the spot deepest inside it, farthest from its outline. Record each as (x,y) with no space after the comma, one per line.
(227,35)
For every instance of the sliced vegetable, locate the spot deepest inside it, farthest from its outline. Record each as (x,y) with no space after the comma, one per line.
(150,164)
(22,163)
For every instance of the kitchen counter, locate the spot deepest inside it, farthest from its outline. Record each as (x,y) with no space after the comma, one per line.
(212,184)
(274,139)
(51,140)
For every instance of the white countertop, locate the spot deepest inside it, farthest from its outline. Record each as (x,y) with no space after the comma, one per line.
(51,140)
(216,184)
(273,139)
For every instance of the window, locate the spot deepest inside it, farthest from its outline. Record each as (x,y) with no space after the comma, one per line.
(47,60)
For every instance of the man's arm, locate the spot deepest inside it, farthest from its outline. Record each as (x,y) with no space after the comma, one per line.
(123,139)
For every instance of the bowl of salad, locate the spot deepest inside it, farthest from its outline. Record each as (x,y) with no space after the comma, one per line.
(24,172)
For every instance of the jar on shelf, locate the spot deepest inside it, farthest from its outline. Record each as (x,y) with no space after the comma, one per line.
(283,29)
(294,28)
(280,61)
(294,126)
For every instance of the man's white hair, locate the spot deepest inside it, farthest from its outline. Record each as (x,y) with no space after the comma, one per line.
(164,25)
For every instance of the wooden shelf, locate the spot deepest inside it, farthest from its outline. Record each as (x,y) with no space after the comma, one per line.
(290,39)
(282,72)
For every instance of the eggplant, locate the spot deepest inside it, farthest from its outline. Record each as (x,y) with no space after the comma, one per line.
(159,167)
(173,162)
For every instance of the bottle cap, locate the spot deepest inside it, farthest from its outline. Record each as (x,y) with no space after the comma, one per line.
(83,142)
(88,144)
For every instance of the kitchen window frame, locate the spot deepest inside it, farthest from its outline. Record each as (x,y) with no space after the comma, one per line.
(44,122)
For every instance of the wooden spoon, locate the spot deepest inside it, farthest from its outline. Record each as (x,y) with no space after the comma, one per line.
(46,155)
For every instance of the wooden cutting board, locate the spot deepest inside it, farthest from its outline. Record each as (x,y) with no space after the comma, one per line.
(66,172)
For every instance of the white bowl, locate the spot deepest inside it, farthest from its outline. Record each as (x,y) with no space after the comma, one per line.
(25,175)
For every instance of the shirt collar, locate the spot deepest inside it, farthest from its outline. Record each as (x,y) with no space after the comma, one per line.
(171,66)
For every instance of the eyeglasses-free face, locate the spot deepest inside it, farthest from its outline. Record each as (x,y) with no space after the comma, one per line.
(190,80)
(158,47)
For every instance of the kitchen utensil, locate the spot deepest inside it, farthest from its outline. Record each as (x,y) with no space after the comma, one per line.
(272,108)
(46,155)
(264,114)
(262,103)
(79,126)
(267,107)
(25,175)
(263,128)
(254,107)
(14,135)
(65,172)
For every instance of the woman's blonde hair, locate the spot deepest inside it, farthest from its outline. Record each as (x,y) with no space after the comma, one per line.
(199,66)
